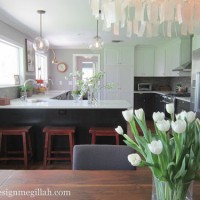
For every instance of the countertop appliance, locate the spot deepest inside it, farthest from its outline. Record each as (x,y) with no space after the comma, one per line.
(144,86)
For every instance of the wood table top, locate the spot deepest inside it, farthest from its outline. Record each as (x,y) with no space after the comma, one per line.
(79,184)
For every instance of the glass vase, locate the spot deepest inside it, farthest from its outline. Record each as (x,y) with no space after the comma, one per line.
(76,97)
(180,191)
(92,97)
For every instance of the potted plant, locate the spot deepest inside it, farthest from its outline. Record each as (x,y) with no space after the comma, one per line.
(27,88)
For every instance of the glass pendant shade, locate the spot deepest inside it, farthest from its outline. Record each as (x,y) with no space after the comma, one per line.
(41,45)
(97,43)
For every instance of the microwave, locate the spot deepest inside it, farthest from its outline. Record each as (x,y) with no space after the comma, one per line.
(144,86)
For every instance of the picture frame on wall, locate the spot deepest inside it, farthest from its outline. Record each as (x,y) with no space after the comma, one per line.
(30,56)
(16,79)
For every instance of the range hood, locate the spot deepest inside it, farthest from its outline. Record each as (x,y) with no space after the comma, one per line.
(184,67)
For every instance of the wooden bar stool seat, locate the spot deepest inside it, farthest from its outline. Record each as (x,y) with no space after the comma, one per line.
(103,131)
(57,131)
(26,143)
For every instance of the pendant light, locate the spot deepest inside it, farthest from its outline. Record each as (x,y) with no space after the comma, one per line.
(41,45)
(97,42)
(54,60)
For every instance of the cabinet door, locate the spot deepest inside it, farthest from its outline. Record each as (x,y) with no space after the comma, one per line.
(172,59)
(159,69)
(111,56)
(121,74)
(159,104)
(144,61)
(139,101)
(149,105)
(182,106)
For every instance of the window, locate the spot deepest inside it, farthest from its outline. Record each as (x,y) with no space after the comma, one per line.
(9,62)
(41,67)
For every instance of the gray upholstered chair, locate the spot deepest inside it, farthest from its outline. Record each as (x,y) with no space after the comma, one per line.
(101,157)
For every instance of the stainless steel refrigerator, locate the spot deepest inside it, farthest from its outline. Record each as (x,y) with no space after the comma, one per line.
(195,82)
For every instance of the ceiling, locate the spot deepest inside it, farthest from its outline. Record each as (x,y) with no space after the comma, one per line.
(66,24)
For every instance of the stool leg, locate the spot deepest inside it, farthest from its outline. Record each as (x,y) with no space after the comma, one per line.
(0,140)
(25,150)
(71,147)
(49,148)
(29,145)
(93,138)
(45,150)
(117,139)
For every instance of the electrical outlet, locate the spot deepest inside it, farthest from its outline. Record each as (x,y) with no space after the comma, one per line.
(69,82)
(60,82)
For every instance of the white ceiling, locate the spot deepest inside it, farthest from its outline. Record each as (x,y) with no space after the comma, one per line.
(66,24)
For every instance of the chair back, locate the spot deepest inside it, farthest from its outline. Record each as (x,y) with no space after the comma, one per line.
(101,157)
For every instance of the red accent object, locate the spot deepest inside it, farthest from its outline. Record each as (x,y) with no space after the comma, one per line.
(26,141)
(57,131)
(39,81)
(103,131)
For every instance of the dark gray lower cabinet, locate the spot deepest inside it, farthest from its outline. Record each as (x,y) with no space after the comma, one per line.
(145,101)
(181,105)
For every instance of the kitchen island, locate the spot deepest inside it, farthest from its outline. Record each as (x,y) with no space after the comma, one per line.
(54,112)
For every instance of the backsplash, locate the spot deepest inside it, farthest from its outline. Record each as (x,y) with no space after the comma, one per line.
(163,81)
(9,92)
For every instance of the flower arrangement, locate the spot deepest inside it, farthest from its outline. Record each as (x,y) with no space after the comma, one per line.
(172,153)
(91,85)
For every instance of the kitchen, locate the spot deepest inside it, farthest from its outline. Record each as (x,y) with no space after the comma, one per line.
(128,65)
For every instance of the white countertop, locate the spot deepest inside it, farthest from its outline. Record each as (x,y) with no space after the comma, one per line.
(45,101)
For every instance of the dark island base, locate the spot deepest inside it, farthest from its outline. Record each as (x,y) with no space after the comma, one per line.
(82,119)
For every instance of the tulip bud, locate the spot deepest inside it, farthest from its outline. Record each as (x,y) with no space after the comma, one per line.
(190,116)
(139,113)
(119,130)
(134,159)
(128,115)
(158,116)
(156,147)
(163,125)
(179,126)
(170,108)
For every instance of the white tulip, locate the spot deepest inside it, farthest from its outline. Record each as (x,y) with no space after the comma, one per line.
(198,121)
(119,130)
(158,116)
(183,115)
(179,126)
(170,108)
(190,116)
(134,159)
(128,115)
(163,125)
(156,147)
(139,113)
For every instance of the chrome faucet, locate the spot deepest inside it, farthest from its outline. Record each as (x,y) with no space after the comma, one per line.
(25,92)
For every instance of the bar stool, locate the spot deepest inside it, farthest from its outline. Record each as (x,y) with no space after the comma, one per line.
(26,142)
(57,131)
(103,131)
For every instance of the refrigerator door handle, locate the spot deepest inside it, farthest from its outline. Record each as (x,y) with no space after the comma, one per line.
(197,93)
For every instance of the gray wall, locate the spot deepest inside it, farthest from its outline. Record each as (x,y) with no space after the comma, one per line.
(66,55)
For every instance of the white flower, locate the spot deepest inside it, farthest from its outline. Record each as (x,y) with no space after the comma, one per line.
(128,115)
(183,115)
(134,159)
(170,108)
(139,113)
(156,147)
(158,116)
(119,130)
(179,126)
(190,116)
(163,125)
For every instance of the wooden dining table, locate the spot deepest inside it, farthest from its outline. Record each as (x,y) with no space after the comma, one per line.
(79,185)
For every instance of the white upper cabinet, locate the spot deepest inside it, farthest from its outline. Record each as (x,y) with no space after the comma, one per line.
(167,58)
(185,50)
(144,60)
(118,67)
